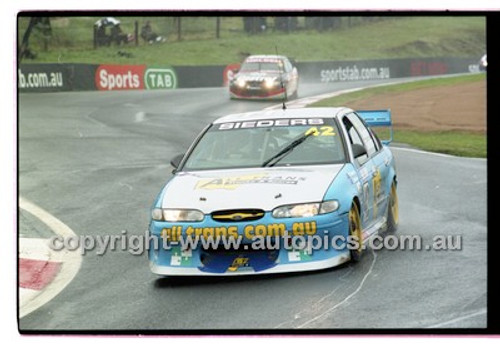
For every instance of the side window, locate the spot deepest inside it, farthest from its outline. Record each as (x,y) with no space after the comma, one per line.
(288,66)
(378,143)
(354,138)
(364,133)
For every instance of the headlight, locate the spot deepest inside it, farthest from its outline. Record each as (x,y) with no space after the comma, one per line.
(157,214)
(240,83)
(177,215)
(305,210)
(329,206)
(269,83)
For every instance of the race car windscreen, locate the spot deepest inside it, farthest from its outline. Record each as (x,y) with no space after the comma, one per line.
(261,66)
(255,143)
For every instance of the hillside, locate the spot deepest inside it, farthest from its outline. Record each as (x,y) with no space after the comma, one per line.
(71,40)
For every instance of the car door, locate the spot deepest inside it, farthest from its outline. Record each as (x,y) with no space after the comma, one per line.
(379,171)
(364,167)
(382,162)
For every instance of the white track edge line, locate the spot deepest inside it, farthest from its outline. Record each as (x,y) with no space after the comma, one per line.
(71,260)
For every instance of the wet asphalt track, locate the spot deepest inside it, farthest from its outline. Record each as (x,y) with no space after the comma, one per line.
(97,160)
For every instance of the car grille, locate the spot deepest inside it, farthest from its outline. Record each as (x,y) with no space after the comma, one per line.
(254,84)
(239,215)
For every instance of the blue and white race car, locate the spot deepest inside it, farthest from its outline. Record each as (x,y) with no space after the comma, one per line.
(275,191)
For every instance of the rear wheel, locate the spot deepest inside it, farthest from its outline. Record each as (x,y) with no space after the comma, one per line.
(355,233)
(393,210)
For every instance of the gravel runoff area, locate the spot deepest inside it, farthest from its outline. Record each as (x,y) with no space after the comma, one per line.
(460,107)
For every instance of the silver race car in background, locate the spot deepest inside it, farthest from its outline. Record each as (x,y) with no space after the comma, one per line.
(265,77)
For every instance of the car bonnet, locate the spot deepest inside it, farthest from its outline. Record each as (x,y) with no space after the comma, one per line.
(257,188)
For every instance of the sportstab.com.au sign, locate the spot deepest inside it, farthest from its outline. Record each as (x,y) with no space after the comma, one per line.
(134,77)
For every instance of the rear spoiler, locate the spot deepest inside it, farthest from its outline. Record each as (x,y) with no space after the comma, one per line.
(378,118)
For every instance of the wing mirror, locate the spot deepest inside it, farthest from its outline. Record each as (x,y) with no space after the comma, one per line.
(358,150)
(176,161)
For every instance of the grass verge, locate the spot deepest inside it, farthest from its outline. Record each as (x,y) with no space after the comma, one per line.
(458,143)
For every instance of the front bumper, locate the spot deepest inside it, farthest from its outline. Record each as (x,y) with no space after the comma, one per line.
(175,259)
(257,94)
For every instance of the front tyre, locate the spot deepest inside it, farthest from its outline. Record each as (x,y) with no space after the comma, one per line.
(355,233)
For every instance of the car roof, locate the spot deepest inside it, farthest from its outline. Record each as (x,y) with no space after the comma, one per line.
(265,58)
(308,112)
